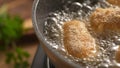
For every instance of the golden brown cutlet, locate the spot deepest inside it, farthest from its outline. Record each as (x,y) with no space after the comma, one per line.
(114,2)
(77,40)
(117,55)
(107,19)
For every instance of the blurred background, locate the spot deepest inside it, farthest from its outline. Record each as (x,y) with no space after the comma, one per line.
(18,42)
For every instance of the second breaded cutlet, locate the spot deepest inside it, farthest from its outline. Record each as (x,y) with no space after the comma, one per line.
(105,19)
(117,55)
(114,2)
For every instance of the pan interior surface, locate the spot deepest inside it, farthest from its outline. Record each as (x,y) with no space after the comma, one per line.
(53,18)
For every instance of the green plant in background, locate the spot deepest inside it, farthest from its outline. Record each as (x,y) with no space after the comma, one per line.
(10,31)
(10,28)
(19,58)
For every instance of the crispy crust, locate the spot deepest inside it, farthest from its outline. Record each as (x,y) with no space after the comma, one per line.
(77,40)
(105,19)
(117,55)
(114,2)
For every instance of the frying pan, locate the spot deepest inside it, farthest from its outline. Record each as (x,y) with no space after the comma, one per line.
(41,9)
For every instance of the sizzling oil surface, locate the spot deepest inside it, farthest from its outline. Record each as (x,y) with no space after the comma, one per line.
(74,10)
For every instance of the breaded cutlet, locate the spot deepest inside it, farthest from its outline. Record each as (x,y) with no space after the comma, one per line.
(117,55)
(105,19)
(114,2)
(77,40)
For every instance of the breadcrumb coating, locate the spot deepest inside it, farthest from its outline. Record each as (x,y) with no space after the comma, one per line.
(117,56)
(114,2)
(107,19)
(77,40)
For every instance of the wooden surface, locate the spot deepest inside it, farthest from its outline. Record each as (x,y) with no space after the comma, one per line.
(23,8)
(19,7)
